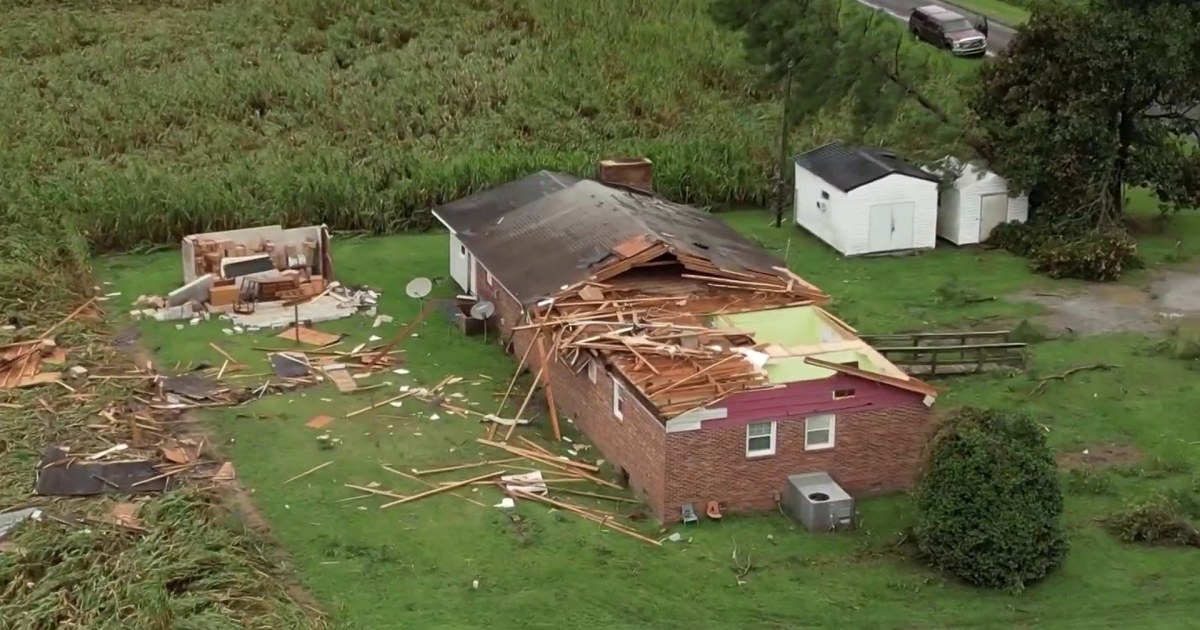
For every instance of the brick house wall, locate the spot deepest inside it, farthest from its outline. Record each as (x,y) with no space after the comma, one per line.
(634,444)
(875,451)
(879,438)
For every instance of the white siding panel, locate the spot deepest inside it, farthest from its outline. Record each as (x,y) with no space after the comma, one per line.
(948,216)
(971,187)
(894,188)
(460,264)
(822,223)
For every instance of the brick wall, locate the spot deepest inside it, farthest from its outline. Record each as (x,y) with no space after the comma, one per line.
(634,444)
(874,451)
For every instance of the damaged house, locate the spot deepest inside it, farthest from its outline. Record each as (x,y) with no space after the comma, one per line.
(699,366)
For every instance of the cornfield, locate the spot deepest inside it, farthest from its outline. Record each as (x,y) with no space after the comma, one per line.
(149,120)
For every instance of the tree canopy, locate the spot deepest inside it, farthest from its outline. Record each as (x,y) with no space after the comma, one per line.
(1092,98)
(844,56)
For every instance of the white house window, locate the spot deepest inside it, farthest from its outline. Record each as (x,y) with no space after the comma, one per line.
(618,401)
(839,394)
(760,439)
(592,369)
(818,431)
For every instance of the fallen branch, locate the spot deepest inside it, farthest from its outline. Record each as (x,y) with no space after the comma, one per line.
(1062,377)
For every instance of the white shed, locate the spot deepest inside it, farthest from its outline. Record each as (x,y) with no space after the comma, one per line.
(976,202)
(863,200)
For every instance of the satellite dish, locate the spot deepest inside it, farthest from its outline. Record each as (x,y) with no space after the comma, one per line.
(418,288)
(483,309)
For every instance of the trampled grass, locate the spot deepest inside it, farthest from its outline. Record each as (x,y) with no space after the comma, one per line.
(413,565)
(151,120)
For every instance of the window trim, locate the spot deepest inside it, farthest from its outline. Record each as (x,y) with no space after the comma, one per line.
(765,452)
(843,394)
(832,432)
(593,370)
(618,390)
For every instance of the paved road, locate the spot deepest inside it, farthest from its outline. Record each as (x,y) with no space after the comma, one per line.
(999,35)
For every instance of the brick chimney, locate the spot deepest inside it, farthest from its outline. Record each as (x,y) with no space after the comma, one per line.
(631,172)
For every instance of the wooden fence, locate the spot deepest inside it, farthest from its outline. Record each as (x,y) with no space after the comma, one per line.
(946,353)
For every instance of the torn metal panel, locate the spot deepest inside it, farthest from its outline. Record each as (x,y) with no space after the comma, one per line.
(191,385)
(60,474)
(288,365)
(10,520)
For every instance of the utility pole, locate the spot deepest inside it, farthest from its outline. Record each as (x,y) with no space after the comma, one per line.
(780,184)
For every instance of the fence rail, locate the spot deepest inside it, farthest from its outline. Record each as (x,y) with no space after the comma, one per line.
(947,353)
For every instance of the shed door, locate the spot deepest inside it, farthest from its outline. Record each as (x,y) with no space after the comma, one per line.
(891,227)
(993,211)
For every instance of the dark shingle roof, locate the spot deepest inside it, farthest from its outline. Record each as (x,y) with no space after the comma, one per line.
(848,167)
(489,205)
(534,245)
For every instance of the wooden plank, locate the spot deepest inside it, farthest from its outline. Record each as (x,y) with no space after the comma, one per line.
(549,392)
(342,379)
(440,489)
(309,336)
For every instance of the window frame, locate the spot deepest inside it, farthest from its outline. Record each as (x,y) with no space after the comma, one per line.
(773,435)
(844,393)
(832,429)
(618,390)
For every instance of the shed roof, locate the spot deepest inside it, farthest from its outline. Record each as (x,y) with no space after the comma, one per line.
(537,234)
(848,167)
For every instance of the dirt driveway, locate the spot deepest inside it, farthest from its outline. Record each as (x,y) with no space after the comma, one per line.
(1165,300)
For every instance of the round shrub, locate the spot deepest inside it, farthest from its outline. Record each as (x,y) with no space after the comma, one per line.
(989,502)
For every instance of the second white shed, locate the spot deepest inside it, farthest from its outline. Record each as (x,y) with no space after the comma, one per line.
(975,203)
(863,200)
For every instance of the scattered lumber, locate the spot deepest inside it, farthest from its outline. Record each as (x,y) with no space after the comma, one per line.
(440,489)
(605,520)
(427,484)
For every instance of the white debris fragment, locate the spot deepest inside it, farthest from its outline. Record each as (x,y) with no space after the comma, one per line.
(397,403)
(382,319)
(375,338)
(435,417)
(400,371)
(227,331)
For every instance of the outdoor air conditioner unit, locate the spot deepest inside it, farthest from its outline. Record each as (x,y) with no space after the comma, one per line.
(819,503)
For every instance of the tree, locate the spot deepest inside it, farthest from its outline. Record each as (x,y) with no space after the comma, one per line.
(989,502)
(1092,98)
(845,57)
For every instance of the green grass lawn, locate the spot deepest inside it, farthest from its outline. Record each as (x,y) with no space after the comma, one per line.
(412,566)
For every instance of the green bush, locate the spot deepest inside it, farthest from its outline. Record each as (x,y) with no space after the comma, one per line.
(989,502)
(1099,255)
(1089,480)
(1160,520)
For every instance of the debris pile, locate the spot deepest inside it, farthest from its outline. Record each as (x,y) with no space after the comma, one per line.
(653,326)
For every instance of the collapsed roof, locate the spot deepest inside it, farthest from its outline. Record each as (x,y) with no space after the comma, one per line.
(548,230)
